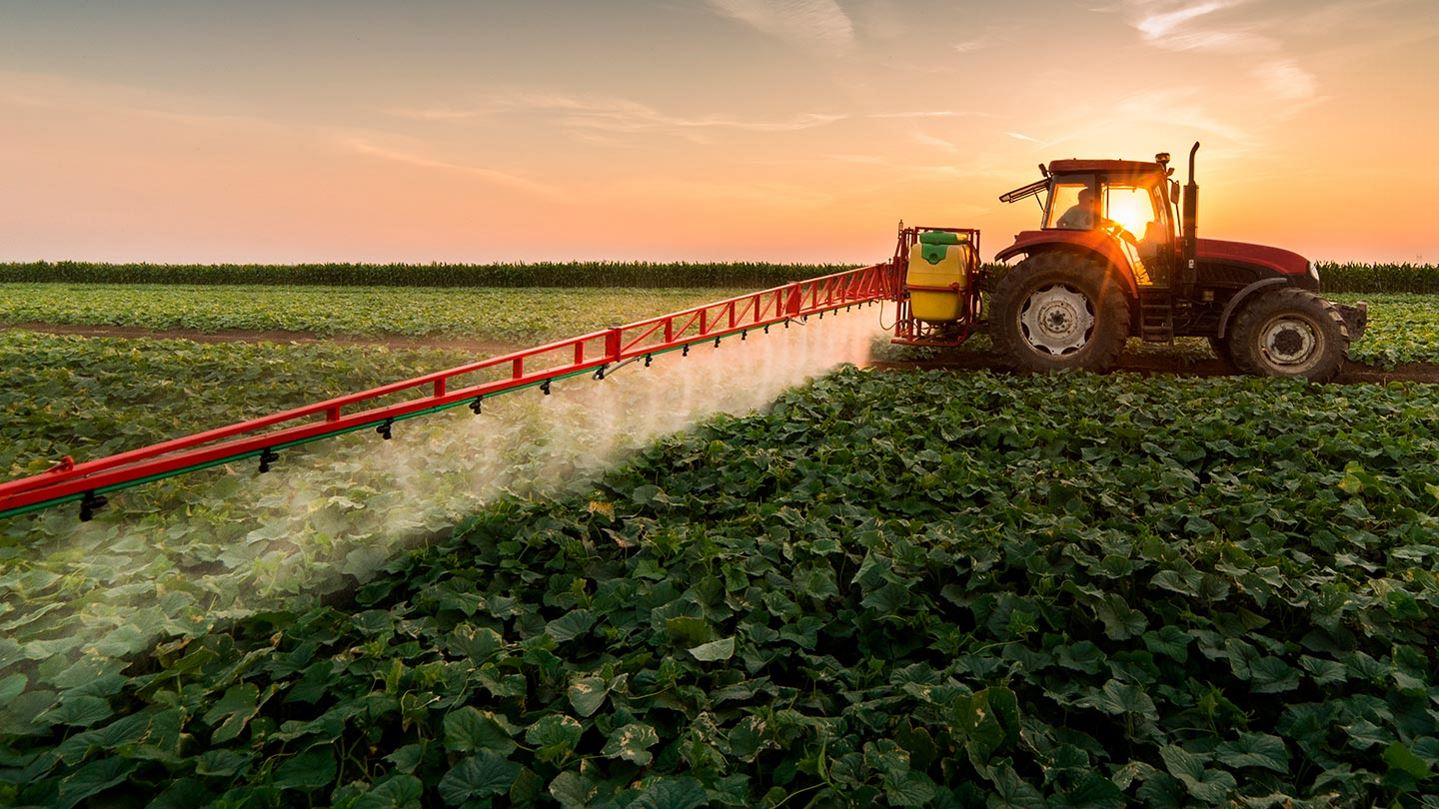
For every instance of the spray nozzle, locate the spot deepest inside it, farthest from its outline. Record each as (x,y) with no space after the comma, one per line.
(648,359)
(477,405)
(545,387)
(685,352)
(600,371)
(89,504)
(267,456)
(717,342)
(384,429)
(743,335)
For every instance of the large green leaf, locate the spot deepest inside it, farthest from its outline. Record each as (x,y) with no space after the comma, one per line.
(671,793)
(632,742)
(1122,698)
(1255,750)
(722,649)
(587,694)
(480,776)
(394,792)
(555,736)
(311,769)
(571,625)
(470,730)
(232,712)
(1207,786)
(94,778)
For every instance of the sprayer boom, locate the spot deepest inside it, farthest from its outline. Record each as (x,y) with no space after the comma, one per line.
(469,385)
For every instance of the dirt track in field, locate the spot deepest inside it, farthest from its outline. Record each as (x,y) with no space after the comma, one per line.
(1352,373)
(1155,364)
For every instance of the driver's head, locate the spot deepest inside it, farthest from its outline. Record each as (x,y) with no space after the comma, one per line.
(1086,197)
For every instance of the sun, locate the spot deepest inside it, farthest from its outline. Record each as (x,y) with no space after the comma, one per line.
(1131,208)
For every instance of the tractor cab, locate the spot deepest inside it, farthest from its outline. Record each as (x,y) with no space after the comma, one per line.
(1127,205)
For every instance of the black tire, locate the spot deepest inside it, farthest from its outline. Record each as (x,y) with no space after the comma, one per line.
(1223,348)
(1066,280)
(1289,332)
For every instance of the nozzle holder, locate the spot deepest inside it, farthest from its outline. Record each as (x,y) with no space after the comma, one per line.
(90,503)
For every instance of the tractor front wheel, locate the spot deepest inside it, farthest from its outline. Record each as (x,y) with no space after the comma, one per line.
(1221,348)
(1289,332)
(1056,311)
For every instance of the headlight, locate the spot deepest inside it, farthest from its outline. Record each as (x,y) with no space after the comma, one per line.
(1314,272)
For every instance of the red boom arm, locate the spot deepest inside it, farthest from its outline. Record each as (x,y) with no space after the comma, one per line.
(595,352)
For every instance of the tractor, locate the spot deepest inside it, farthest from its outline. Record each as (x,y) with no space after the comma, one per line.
(1116,256)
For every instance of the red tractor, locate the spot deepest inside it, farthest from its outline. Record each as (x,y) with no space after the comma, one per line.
(1115,257)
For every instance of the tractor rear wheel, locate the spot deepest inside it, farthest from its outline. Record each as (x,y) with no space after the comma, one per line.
(1289,332)
(1056,311)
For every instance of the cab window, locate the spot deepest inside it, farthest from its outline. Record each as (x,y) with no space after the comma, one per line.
(1065,209)
(1135,209)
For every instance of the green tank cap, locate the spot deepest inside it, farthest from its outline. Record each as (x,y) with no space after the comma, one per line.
(942,237)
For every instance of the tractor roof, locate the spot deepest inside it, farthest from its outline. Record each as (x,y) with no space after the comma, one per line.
(1104,167)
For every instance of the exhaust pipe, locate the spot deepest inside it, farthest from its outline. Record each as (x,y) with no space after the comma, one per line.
(1189,245)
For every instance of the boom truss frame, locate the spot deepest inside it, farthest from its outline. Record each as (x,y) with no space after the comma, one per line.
(594,353)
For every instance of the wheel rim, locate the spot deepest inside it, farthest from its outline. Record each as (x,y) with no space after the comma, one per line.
(1291,343)
(1057,320)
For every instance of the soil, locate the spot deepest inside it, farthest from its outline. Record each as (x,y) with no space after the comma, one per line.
(1154,364)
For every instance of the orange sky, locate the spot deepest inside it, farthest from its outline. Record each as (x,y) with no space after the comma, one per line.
(787,130)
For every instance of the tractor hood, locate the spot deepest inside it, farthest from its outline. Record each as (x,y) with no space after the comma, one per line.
(1273,259)
(1284,262)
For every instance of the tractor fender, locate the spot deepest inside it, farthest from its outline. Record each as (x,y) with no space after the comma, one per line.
(1095,242)
(1239,298)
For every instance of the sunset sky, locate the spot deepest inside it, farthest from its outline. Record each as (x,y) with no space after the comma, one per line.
(786,130)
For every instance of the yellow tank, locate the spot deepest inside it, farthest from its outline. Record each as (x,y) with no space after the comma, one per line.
(938,274)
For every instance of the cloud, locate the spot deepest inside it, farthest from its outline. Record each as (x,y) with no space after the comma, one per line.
(922,114)
(1212,25)
(969,45)
(750,194)
(1188,27)
(1184,109)
(808,22)
(621,115)
(368,148)
(1287,80)
(930,140)
(435,113)
(1024,137)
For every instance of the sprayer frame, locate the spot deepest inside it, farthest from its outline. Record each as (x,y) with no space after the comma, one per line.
(592,353)
(911,331)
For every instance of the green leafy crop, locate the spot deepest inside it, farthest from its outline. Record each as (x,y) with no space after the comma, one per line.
(914,589)
(510,316)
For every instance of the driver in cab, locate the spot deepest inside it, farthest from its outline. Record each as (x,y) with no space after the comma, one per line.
(1080,215)
(1083,216)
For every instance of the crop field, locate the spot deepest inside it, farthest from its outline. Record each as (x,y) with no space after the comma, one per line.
(900,588)
(1402,329)
(514,316)
(905,589)
(177,557)
(90,397)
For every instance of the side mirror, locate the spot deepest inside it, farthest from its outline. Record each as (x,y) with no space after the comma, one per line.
(1174,190)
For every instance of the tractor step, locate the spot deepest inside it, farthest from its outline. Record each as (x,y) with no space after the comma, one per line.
(1156,316)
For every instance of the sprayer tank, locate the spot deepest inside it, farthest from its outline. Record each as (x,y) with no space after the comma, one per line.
(937,275)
